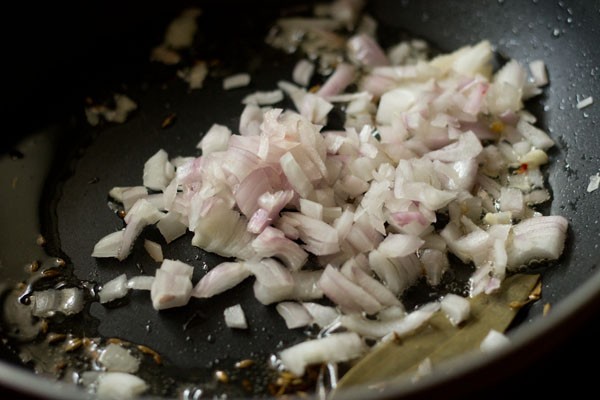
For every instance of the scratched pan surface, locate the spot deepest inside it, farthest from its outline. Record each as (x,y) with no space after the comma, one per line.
(64,168)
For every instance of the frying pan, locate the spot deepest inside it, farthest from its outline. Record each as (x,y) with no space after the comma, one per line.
(56,171)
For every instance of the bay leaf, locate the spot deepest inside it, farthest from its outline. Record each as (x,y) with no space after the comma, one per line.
(439,340)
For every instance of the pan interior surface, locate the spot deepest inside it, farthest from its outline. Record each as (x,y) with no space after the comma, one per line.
(87,163)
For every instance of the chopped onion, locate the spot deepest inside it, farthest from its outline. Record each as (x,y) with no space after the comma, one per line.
(262,98)
(215,139)
(158,171)
(235,317)
(421,139)
(236,81)
(336,347)
(141,282)
(115,358)
(114,289)
(456,308)
(194,75)
(172,286)
(594,183)
(273,281)
(494,341)
(294,314)
(154,250)
(588,101)
(221,278)
(303,72)
(119,386)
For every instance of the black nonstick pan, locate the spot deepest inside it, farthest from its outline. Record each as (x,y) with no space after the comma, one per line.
(56,172)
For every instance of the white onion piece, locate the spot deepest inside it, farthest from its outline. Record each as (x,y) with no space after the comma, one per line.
(399,327)
(306,285)
(435,263)
(456,308)
(215,139)
(177,267)
(262,98)
(588,101)
(338,81)
(171,227)
(366,51)
(319,237)
(154,250)
(336,347)
(399,245)
(294,314)
(141,282)
(535,136)
(349,296)
(222,277)
(235,317)
(115,358)
(303,72)
(236,81)
(195,75)
(321,315)
(130,195)
(119,386)
(538,238)
(468,146)
(158,171)
(494,341)
(181,30)
(273,281)
(372,286)
(47,302)
(273,243)
(114,289)
(142,214)
(172,285)
(538,72)
(109,245)
(250,120)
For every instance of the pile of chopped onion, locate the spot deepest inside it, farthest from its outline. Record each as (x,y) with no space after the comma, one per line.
(422,138)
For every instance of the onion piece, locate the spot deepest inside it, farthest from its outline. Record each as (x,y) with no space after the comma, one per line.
(494,341)
(273,281)
(336,347)
(171,227)
(456,308)
(114,289)
(158,171)
(399,245)
(109,245)
(215,139)
(172,285)
(321,315)
(222,277)
(154,250)
(115,358)
(349,296)
(365,51)
(341,78)
(235,317)
(119,385)
(141,282)
(236,81)
(273,243)
(262,98)
(294,314)
(538,238)
(303,72)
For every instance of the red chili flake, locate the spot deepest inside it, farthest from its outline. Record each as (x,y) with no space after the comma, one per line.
(522,169)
